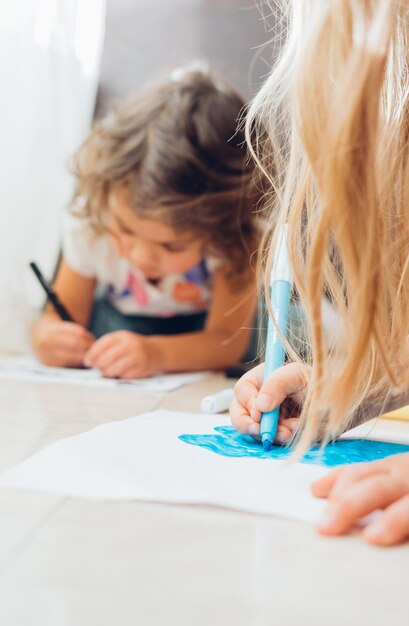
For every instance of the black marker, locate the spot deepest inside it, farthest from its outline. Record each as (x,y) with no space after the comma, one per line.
(51,295)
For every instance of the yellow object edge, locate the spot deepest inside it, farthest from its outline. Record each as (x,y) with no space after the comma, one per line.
(399,414)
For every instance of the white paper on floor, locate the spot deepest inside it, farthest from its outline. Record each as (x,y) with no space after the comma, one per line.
(28,368)
(142,458)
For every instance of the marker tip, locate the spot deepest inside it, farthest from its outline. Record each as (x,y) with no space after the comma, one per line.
(267,445)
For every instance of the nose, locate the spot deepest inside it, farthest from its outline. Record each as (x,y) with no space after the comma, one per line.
(143,256)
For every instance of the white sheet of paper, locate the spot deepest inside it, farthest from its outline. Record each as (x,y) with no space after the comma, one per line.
(28,368)
(141,458)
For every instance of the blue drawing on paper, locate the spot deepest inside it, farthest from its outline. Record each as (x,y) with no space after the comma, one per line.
(228,442)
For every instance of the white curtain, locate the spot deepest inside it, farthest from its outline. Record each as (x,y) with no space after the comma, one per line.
(50,52)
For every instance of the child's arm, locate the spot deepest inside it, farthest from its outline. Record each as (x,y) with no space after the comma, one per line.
(222,342)
(60,343)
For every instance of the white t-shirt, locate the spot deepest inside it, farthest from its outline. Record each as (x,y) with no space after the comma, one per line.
(124,286)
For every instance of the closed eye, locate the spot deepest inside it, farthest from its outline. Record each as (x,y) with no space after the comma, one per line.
(173,247)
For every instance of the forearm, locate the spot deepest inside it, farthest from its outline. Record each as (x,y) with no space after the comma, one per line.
(200,350)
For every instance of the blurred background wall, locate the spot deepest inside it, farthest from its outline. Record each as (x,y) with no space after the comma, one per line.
(144,36)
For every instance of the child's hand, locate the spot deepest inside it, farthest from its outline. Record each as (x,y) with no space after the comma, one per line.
(286,387)
(357,490)
(61,344)
(123,354)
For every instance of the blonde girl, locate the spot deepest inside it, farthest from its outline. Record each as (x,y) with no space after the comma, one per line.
(330,128)
(155,267)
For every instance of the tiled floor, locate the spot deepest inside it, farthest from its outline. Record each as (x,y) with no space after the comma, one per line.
(71,562)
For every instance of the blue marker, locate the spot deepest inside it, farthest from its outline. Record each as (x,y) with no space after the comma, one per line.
(281,282)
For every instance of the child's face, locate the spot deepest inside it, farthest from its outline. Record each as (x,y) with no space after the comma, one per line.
(151,246)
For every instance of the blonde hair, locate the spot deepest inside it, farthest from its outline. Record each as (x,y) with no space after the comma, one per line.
(330,130)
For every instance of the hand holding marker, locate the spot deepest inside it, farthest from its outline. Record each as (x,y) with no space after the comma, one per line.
(281,282)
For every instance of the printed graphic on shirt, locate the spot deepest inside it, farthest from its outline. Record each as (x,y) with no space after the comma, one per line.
(190,289)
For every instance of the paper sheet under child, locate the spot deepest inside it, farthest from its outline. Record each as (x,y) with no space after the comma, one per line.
(28,368)
(143,458)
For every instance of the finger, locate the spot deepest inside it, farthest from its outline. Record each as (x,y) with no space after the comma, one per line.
(61,359)
(67,357)
(68,329)
(99,348)
(119,365)
(334,483)
(107,361)
(132,373)
(391,527)
(248,385)
(245,390)
(69,334)
(74,344)
(70,353)
(284,382)
(322,487)
(255,414)
(364,497)
(291,423)
(76,329)
(255,374)
(283,435)
(241,419)
(352,475)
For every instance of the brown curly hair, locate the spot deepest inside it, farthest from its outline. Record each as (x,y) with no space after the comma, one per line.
(179,149)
